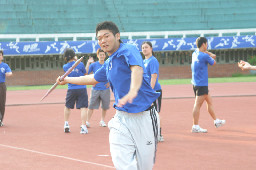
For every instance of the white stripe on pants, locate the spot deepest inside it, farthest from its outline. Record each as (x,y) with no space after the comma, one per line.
(133,139)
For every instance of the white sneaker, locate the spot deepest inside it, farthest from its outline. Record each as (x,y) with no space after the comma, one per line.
(219,122)
(198,130)
(102,123)
(66,128)
(83,131)
(1,123)
(160,138)
(88,124)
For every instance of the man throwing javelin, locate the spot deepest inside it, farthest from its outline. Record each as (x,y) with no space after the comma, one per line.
(134,128)
(199,66)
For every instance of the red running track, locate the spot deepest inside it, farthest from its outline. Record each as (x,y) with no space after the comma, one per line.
(33,136)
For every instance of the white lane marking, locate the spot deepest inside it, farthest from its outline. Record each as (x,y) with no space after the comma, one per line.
(58,156)
(104,155)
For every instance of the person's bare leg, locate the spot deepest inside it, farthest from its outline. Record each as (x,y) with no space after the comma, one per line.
(83,119)
(66,118)
(196,110)
(103,114)
(210,106)
(83,115)
(66,113)
(217,122)
(89,114)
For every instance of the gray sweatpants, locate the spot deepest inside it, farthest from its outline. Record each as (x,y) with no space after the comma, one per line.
(2,100)
(133,139)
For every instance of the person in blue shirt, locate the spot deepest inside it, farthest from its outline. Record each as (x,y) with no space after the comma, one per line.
(76,94)
(100,93)
(199,66)
(152,66)
(134,128)
(5,71)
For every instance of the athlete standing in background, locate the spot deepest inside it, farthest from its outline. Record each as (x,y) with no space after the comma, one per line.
(152,66)
(100,93)
(76,94)
(199,66)
(5,71)
(134,128)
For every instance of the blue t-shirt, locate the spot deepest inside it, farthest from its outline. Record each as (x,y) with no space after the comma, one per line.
(77,72)
(93,68)
(152,67)
(118,73)
(199,67)
(4,68)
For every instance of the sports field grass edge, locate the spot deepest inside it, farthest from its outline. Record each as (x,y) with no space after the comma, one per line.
(162,82)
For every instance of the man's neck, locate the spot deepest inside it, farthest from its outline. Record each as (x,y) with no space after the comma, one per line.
(202,50)
(71,61)
(101,62)
(118,46)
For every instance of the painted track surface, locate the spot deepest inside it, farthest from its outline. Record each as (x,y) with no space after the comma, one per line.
(33,136)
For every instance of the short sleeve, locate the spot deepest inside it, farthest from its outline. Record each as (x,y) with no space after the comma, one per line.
(133,56)
(210,60)
(90,68)
(8,69)
(100,75)
(83,68)
(154,67)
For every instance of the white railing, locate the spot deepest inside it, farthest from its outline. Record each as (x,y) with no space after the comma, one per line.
(129,35)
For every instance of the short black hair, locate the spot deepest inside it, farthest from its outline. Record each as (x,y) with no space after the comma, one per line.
(107,25)
(100,50)
(69,54)
(2,51)
(200,41)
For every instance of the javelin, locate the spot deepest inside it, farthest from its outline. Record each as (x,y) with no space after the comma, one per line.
(62,77)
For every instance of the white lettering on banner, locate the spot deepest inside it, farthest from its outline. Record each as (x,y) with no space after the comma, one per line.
(249,39)
(64,46)
(31,48)
(14,46)
(94,44)
(209,42)
(181,42)
(235,42)
(133,42)
(224,42)
(161,44)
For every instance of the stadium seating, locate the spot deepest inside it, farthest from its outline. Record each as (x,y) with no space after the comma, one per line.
(81,16)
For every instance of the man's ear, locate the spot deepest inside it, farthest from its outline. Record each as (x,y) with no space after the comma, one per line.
(118,36)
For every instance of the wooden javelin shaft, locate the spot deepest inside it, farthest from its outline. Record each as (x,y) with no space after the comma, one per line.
(62,77)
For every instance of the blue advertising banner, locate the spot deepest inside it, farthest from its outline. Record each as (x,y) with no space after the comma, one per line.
(170,44)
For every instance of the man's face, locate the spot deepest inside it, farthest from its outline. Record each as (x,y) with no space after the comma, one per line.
(107,41)
(205,46)
(101,56)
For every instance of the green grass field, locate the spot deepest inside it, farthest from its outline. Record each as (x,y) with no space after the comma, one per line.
(162,82)
(211,80)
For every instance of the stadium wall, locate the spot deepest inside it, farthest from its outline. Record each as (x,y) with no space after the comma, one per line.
(46,77)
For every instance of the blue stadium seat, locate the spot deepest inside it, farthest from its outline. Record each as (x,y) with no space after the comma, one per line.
(81,16)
